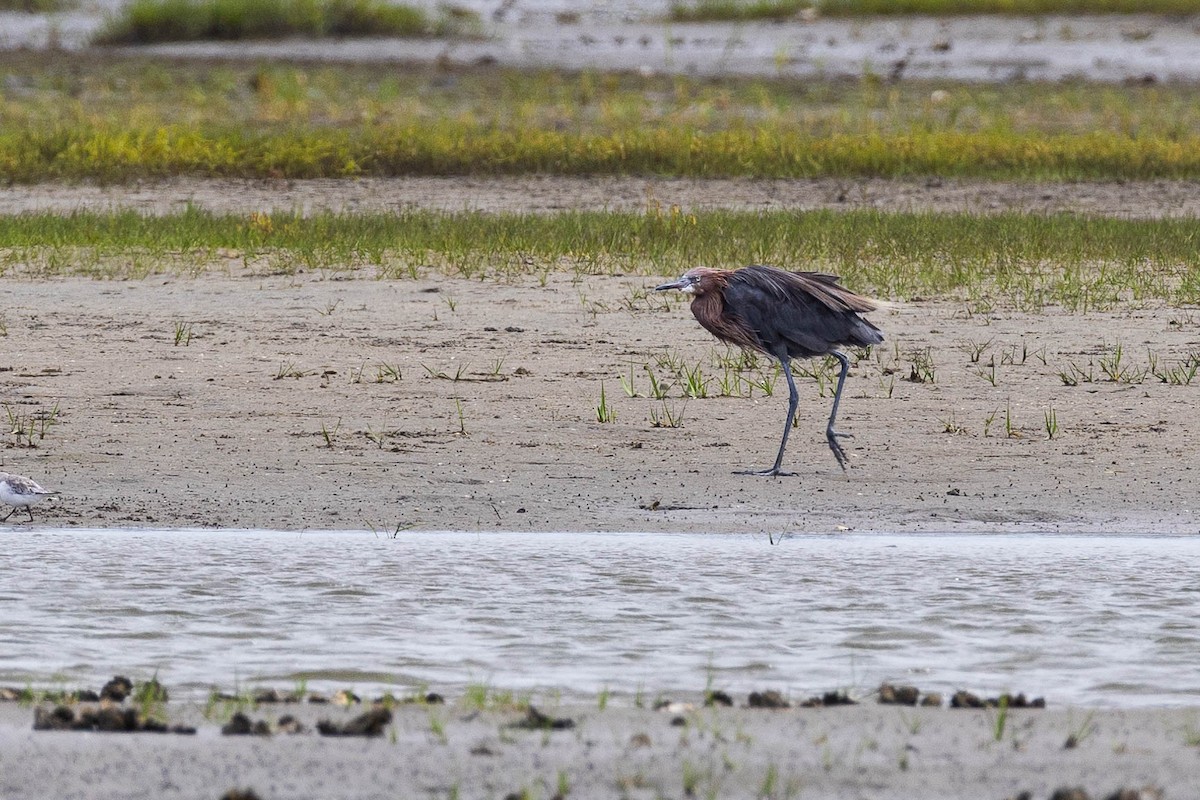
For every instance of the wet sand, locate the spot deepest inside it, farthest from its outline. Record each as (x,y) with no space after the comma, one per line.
(538,194)
(338,401)
(865,751)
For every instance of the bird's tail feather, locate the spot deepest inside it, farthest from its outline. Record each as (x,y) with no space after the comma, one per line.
(865,334)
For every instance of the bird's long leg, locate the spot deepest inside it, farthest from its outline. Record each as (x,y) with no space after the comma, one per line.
(832,435)
(30,510)
(9,514)
(793,401)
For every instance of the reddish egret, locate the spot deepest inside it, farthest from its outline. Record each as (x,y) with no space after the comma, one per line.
(785,315)
(20,492)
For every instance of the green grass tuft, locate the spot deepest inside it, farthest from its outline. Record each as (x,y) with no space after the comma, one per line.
(736,10)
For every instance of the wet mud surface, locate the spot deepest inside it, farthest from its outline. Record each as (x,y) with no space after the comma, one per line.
(338,401)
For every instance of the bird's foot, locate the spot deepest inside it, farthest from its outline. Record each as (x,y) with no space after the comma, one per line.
(773,472)
(832,437)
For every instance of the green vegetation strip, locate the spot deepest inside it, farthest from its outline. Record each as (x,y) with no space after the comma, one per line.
(149,21)
(118,120)
(744,10)
(736,10)
(457,149)
(1028,260)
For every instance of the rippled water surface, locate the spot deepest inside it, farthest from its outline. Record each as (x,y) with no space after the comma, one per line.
(1112,621)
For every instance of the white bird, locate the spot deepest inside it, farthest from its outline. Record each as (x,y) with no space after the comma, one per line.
(20,492)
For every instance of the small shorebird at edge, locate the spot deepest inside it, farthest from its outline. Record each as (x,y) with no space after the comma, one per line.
(20,492)
(784,315)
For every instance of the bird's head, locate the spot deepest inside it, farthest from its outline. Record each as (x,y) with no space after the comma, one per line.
(695,281)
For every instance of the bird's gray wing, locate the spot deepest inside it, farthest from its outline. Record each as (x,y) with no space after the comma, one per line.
(789,323)
(801,314)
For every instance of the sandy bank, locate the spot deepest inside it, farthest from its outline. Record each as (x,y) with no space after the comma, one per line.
(865,751)
(317,401)
(547,194)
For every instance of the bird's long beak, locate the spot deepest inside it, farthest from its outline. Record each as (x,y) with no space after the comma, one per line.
(679,284)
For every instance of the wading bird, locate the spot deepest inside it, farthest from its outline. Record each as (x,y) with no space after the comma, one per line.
(20,492)
(785,315)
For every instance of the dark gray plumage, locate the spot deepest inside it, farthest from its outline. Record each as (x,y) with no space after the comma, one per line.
(785,315)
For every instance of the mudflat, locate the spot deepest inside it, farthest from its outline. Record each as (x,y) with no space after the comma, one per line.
(245,399)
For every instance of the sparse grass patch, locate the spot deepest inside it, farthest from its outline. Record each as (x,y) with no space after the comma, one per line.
(1118,370)
(483,697)
(437,726)
(668,415)
(988,372)
(1011,430)
(183,333)
(999,718)
(695,384)
(151,699)
(1079,732)
(1051,419)
(1115,366)
(462,417)
(1181,374)
(328,433)
(921,368)
(30,427)
(604,410)
(975,350)
(387,373)
(221,705)
(288,369)
(952,425)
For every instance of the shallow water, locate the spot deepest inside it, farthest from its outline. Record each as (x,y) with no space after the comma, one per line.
(1109,621)
(628,35)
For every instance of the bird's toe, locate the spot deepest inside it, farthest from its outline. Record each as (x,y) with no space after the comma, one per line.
(766,473)
(838,453)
